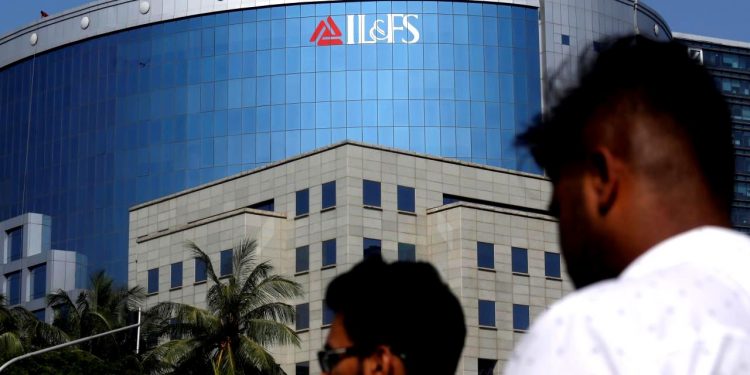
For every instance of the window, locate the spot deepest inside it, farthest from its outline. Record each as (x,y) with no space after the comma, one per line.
(14,288)
(303,202)
(303,259)
(371,193)
(303,316)
(407,252)
(485,255)
(405,198)
(226,262)
(552,264)
(39,281)
(329,195)
(565,39)
(15,244)
(486,313)
(520,317)
(328,314)
(371,247)
(302,368)
(39,314)
(448,199)
(329,252)
(200,270)
(263,206)
(176,274)
(486,366)
(153,280)
(520,260)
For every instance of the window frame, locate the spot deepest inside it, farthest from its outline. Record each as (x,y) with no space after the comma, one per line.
(557,259)
(368,193)
(485,247)
(222,272)
(204,271)
(365,253)
(406,192)
(523,269)
(405,249)
(172,267)
(518,320)
(33,271)
(331,195)
(298,309)
(326,248)
(485,322)
(302,203)
(152,285)
(305,249)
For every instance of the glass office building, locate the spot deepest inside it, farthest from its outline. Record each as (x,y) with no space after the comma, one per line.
(729,63)
(112,105)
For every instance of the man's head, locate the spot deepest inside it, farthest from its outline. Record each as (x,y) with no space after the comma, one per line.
(396,318)
(639,151)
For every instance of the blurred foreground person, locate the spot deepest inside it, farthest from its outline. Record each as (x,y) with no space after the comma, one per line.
(640,156)
(392,319)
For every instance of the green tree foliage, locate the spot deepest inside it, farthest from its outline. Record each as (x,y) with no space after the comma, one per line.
(100,308)
(246,314)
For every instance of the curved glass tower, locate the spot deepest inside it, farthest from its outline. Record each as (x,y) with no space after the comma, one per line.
(101,123)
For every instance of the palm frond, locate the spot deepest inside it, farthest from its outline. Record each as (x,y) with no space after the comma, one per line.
(199,253)
(270,333)
(10,345)
(253,354)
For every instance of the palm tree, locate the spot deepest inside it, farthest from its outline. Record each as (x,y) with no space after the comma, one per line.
(21,331)
(245,315)
(100,308)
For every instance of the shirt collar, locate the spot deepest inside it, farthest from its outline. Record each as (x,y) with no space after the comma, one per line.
(687,247)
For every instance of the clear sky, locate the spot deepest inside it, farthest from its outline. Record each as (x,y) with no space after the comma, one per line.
(726,19)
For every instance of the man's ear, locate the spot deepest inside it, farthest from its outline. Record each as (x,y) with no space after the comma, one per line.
(605,177)
(381,362)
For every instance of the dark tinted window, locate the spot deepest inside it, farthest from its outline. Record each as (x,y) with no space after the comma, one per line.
(303,202)
(303,316)
(485,255)
(176,275)
(448,199)
(371,193)
(15,243)
(14,288)
(329,194)
(302,368)
(329,252)
(371,247)
(407,252)
(552,264)
(486,313)
(328,315)
(226,262)
(303,259)
(405,198)
(486,366)
(520,317)
(265,205)
(520,260)
(200,270)
(39,281)
(39,314)
(153,280)
(565,39)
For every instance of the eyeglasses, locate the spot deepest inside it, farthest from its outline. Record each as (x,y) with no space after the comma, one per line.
(329,358)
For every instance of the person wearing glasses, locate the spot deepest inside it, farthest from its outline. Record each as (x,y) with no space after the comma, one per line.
(392,319)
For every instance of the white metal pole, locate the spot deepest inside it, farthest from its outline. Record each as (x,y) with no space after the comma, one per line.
(63,345)
(138,334)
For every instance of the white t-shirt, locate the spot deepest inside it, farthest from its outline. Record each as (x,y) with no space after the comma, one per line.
(683,307)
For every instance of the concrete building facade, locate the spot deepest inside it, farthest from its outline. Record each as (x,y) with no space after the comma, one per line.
(484,228)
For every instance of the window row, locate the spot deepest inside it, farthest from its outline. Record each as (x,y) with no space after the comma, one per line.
(302,199)
(404,196)
(519,260)
(37,279)
(201,272)
(487,315)
(302,316)
(370,247)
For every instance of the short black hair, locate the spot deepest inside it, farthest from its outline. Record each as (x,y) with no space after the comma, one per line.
(421,320)
(666,83)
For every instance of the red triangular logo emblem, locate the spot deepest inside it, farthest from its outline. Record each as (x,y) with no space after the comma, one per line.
(327,34)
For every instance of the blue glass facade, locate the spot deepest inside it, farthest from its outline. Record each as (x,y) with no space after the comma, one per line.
(90,129)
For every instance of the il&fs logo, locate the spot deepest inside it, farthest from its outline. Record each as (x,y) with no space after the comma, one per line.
(367,29)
